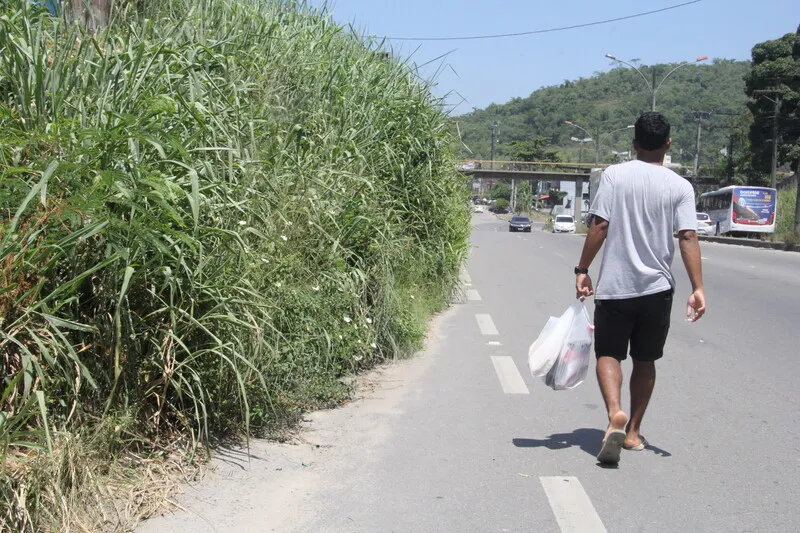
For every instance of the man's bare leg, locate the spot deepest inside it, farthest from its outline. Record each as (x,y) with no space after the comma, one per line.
(609,376)
(643,380)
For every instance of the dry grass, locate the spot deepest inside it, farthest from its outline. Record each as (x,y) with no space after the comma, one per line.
(77,490)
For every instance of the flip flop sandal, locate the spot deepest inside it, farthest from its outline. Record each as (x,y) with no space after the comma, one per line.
(612,445)
(639,447)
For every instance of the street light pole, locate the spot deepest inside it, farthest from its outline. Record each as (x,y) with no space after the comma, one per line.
(606,135)
(598,139)
(578,200)
(494,140)
(652,87)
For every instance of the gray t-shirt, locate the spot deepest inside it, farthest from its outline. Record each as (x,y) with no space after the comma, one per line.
(644,205)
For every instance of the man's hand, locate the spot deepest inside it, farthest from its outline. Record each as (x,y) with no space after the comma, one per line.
(583,286)
(696,306)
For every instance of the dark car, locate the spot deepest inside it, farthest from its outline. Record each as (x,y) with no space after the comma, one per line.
(498,210)
(519,224)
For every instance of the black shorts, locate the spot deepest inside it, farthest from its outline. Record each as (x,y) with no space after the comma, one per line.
(643,322)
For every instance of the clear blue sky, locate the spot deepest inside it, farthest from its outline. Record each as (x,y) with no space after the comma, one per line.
(496,70)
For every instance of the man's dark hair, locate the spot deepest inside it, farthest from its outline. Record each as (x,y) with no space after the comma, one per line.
(652,131)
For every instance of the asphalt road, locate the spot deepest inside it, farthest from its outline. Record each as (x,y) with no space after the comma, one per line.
(463,439)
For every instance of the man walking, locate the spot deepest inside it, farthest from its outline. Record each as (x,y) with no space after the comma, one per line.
(637,208)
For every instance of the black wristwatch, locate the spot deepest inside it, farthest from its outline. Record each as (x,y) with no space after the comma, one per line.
(579,271)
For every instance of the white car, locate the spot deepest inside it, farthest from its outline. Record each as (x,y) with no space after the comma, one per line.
(704,224)
(479,209)
(564,224)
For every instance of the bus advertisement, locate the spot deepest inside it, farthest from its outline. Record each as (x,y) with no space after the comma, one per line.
(741,209)
(753,207)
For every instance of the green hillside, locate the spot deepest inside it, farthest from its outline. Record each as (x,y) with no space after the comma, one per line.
(612,100)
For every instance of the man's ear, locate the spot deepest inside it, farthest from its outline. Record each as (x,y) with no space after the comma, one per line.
(668,144)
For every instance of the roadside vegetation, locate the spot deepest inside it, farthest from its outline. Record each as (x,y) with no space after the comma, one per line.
(784,227)
(211,212)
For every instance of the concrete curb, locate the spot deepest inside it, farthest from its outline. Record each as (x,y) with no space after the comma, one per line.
(752,243)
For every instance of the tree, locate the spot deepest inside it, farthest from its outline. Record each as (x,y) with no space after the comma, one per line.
(501,203)
(533,150)
(738,130)
(500,190)
(773,85)
(524,198)
(775,76)
(614,98)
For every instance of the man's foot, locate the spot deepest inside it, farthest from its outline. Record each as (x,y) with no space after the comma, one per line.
(618,421)
(634,442)
(614,439)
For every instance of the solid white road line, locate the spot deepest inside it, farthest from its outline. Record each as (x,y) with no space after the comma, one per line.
(473,295)
(510,378)
(487,325)
(571,505)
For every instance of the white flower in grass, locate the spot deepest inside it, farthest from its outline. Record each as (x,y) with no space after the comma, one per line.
(373,346)
(278,284)
(242,223)
(347,319)
(369,320)
(340,337)
(284,237)
(358,358)
(315,288)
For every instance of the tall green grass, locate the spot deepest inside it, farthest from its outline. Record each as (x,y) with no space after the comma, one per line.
(784,226)
(210,212)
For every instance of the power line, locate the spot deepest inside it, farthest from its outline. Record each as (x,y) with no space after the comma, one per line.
(549,30)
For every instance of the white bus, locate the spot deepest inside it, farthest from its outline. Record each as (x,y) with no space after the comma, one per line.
(741,210)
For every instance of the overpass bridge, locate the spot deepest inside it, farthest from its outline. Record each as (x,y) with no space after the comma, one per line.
(548,172)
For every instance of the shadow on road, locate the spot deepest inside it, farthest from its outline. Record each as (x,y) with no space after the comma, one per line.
(587,439)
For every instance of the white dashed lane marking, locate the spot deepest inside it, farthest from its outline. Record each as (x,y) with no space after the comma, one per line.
(473,295)
(571,505)
(509,375)
(486,324)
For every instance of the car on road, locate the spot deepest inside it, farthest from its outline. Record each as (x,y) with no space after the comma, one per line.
(498,210)
(479,209)
(519,224)
(564,224)
(705,226)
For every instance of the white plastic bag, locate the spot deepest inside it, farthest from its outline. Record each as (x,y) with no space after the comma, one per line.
(562,351)
(547,347)
(572,364)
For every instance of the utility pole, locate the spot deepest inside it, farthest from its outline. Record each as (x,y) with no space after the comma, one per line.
(777,111)
(729,169)
(513,195)
(697,149)
(653,89)
(774,167)
(494,140)
(699,116)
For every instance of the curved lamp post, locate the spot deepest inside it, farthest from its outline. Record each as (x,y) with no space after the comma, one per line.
(598,139)
(651,86)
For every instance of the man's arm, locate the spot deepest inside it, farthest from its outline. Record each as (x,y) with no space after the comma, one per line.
(598,232)
(690,253)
